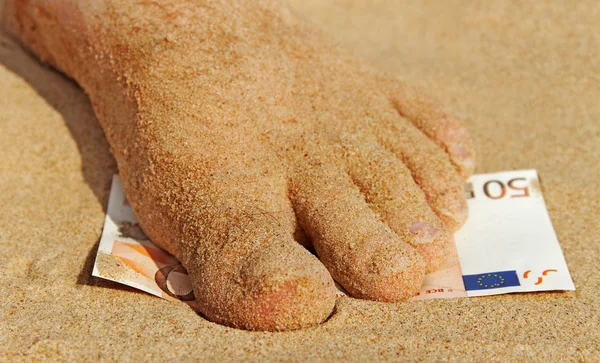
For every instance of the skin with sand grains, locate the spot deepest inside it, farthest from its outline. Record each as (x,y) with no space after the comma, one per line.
(242,134)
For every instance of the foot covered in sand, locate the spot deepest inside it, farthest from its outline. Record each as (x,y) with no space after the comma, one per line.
(242,135)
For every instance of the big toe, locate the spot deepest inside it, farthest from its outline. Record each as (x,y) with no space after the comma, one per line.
(280,286)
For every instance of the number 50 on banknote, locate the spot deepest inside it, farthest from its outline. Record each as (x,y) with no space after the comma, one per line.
(508,243)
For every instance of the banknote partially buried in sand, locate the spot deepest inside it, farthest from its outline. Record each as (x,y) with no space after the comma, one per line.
(507,245)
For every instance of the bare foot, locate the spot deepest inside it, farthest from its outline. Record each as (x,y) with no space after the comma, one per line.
(239,132)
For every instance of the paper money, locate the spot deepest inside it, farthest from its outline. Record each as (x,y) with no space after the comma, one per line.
(507,245)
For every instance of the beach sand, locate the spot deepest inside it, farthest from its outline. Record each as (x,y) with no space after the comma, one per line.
(524,78)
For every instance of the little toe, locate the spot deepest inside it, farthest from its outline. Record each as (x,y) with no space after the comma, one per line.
(430,168)
(437,123)
(391,191)
(367,258)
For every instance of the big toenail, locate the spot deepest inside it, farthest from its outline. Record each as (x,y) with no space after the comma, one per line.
(424,232)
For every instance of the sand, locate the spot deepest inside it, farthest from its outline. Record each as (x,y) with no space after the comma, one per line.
(524,80)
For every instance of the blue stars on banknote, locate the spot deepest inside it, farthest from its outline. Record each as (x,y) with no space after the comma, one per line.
(491,280)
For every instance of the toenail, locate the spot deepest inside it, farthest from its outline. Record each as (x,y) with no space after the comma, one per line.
(424,232)
(463,159)
(459,151)
(457,211)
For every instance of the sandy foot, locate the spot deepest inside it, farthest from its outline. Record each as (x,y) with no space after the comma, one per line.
(241,134)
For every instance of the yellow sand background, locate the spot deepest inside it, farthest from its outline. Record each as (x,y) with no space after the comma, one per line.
(524,77)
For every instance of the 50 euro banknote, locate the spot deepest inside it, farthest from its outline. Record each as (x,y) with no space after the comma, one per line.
(507,245)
